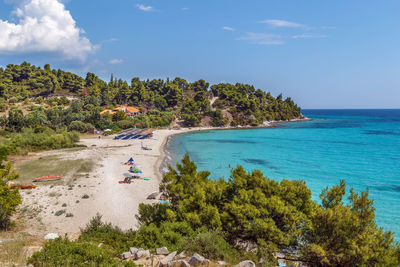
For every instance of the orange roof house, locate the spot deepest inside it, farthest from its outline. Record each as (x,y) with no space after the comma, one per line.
(130,111)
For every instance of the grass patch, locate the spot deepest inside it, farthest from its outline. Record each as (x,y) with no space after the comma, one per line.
(53,165)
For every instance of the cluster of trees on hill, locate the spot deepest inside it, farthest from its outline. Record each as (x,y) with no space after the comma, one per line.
(217,218)
(220,104)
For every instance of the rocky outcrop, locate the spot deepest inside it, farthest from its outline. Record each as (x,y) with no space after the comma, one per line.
(162,251)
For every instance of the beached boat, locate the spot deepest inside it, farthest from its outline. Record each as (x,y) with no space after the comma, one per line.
(22,186)
(47,178)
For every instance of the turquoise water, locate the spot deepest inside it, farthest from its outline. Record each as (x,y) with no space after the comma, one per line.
(360,146)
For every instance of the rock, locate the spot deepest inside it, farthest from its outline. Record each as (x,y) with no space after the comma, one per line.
(247,263)
(206,262)
(162,251)
(221,263)
(142,253)
(126,255)
(51,236)
(181,255)
(167,260)
(196,259)
(133,250)
(179,263)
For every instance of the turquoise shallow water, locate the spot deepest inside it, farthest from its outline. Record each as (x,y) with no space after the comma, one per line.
(360,146)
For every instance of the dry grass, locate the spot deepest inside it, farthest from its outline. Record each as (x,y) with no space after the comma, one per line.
(53,165)
(16,247)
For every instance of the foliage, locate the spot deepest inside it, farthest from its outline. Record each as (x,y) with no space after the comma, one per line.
(62,252)
(191,101)
(347,235)
(9,198)
(40,138)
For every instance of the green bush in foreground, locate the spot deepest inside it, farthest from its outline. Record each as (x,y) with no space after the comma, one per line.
(62,252)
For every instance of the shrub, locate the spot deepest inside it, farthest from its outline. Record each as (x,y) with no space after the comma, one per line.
(85,196)
(69,215)
(59,212)
(211,245)
(9,200)
(62,252)
(80,126)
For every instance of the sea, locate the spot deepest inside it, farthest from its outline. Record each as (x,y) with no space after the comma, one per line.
(360,146)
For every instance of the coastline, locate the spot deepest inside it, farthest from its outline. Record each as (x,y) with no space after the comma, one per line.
(117,203)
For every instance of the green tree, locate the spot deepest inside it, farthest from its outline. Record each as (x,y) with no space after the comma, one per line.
(347,235)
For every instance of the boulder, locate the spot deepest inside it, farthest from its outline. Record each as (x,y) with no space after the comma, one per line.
(126,255)
(162,251)
(181,255)
(246,263)
(142,254)
(133,250)
(196,259)
(179,263)
(167,260)
(206,262)
(221,263)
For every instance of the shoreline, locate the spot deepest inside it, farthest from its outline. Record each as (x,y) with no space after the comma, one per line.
(117,203)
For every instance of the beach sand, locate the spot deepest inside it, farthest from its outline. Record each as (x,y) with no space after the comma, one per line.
(117,203)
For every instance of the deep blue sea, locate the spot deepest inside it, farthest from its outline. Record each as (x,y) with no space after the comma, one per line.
(360,146)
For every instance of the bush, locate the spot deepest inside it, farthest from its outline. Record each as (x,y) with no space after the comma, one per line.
(80,126)
(210,245)
(59,212)
(69,215)
(85,196)
(62,252)
(9,200)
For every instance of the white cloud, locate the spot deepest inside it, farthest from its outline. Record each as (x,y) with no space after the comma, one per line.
(144,8)
(308,36)
(262,38)
(282,23)
(185,8)
(44,26)
(116,61)
(227,28)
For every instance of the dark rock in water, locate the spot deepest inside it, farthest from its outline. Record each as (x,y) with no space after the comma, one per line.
(256,161)
(196,259)
(162,251)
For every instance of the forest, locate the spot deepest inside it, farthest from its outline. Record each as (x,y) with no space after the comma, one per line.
(196,103)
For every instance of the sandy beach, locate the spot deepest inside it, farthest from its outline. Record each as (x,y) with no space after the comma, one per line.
(117,203)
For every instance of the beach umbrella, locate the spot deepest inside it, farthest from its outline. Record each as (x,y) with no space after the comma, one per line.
(130,160)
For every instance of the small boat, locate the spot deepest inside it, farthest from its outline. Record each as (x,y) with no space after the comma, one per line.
(22,186)
(47,178)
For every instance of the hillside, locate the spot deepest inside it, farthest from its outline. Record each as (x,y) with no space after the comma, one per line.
(195,103)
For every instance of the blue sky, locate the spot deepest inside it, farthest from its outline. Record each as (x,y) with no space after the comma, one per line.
(324,54)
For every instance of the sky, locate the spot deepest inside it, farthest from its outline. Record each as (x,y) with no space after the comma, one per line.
(323,54)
